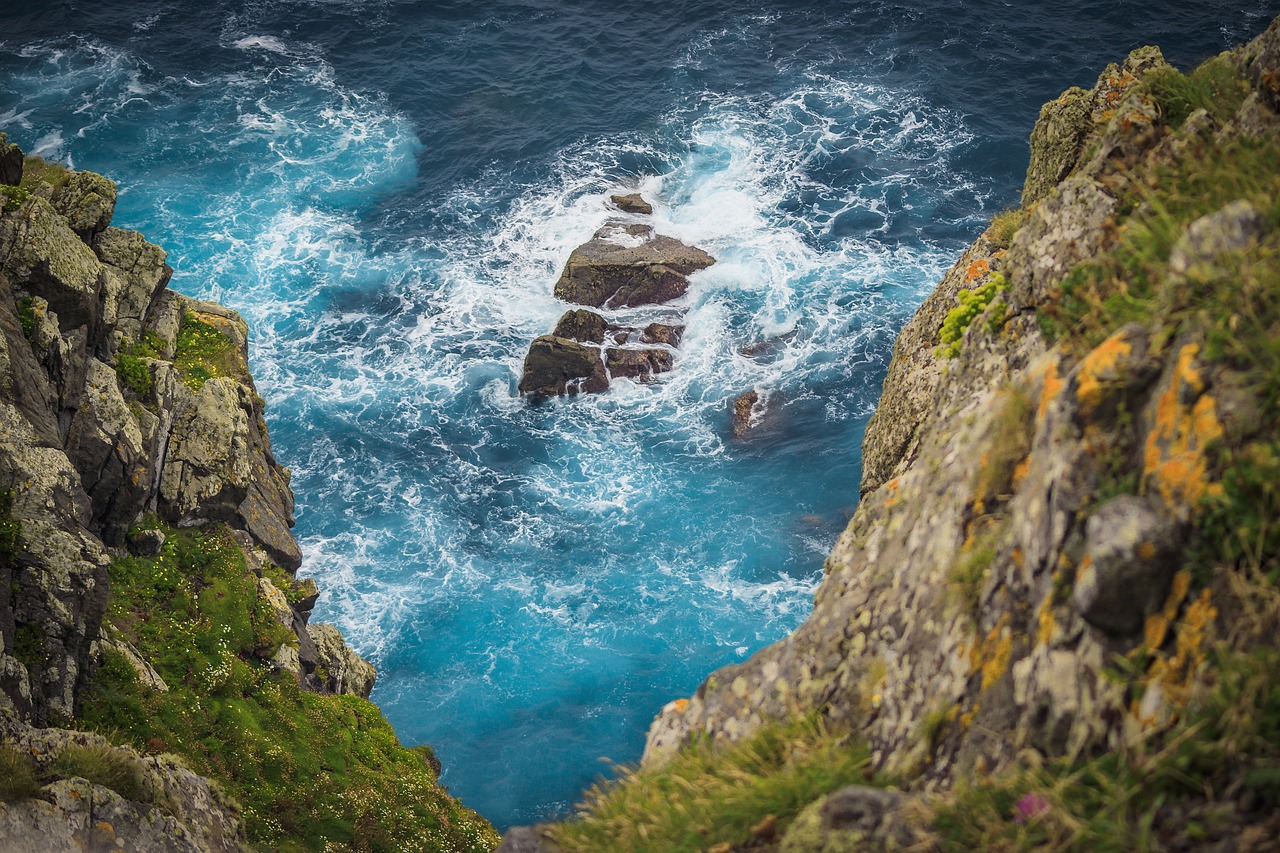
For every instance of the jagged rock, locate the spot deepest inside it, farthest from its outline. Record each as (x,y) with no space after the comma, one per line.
(339,669)
(626,265)
(42,255)
(640,364)
(582,325)
(1056,142)
(146,543)
(662,333)
(139,276)
(10,162)
(88,202)
(631,203)
(309,593)
(1128,563)
(1261,62)
(559,366)
(177,810)
(744,413)
(852,818)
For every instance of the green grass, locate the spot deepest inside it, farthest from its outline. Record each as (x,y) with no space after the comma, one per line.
(203,353)
(1215,87)
(18,778)
(36,171)
(1005,224)
(10,529)
(13,196)
(102,765)
(308,770)
(27,317)
(132,368)
(709,794)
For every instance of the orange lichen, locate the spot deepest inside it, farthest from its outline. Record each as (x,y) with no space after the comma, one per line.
(1174,461)
(992,654)
(1045,623)
(1147,550)
(1020,472)
(680,705)
(1051,388)
(977,269)
(1100,368)
(892,488)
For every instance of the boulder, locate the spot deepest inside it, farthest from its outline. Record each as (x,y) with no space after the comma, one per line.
(582,325)
(339,669)
(745,413)
(137,276)
(146,543)
(626,265)
(640,364)
(558,366)
(661,333)
(855,817)
(88,202)
(42,255)
(631,203)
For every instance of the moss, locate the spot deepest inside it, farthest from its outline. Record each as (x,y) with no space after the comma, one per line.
(10,530)
(310,771)
(36,171)
(132,367)
(27,317)
(13,196)
(102,765)
(202,353)
(1215,87)
(972,303)
(18,778)
(711,794)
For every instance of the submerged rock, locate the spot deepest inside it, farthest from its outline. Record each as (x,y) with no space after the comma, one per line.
(625,265)
(746,413)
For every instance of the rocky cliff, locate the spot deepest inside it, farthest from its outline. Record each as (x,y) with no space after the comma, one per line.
(147,588)
(1052,621)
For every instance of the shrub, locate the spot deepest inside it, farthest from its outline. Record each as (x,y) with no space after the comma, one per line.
(14,196)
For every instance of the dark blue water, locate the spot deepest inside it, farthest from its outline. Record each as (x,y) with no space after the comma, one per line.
(387,190)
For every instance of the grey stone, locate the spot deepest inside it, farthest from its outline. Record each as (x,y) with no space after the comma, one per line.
(639,364)
(626,265)
(42,255)
(339,668)
(146,543)
(87,202)
(526,839)
(1230,229)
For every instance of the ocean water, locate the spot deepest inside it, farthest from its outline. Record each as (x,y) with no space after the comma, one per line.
(387,191)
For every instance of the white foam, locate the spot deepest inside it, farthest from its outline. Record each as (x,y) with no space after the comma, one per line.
(271,44)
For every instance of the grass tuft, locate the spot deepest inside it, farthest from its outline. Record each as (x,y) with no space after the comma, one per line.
(102,765)
(18,778)
(202,353)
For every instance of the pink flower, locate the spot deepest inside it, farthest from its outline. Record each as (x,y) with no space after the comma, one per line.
(1031,806)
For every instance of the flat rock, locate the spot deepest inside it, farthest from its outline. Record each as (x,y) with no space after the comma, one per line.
(627,264)
(631,203)
(662,333)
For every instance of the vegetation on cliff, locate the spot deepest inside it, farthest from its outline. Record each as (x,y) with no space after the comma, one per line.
(1052,622)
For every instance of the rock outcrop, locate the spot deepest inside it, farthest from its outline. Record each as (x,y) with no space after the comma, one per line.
(627,264)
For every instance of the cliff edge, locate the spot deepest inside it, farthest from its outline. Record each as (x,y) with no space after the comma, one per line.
(161,685)
(1052,621)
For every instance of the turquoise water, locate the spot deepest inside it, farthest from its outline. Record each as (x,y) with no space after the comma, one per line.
(387,192)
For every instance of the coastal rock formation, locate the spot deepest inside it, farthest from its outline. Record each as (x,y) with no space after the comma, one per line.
(146,560)
(627,264)
(631,203)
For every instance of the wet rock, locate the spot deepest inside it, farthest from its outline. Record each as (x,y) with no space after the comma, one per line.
(582,325)
(631,203)
(639,364)
(746,413)
(661,333)
(626,265)
(146,543)
(10,162)
(1130,557)
(559,366)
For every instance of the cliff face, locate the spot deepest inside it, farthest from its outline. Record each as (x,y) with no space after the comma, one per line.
(1063,559)
(146,562)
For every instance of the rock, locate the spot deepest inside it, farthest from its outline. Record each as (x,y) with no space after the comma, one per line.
(1230,229)
(526,839)
(1129,560)
(582,325)
(339,669)
(559,366)
(146,543)
(639,364)
(745,413)
(10,162)
(141,276)
(88,202)
(631,203)
(42,255)
(852,818)
(1056,142)
(309,592)
(1261,62)
(661,333)
(628,265)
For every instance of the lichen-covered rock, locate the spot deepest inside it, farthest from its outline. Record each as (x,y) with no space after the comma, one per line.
(10,162)
(42,255)
(1056,142)
(852,818)
(559,366)
(626,265)
(87,202)
(340,669)
(139,276)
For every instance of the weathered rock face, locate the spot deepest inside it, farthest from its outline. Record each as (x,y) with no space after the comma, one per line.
(558,366)
(172,809)
(1026,507)
(627,264)
(631,203)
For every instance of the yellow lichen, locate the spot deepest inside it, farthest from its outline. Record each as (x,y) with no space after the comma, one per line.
(1100,368)
(1045,623)
(1050,389)
(1174,461)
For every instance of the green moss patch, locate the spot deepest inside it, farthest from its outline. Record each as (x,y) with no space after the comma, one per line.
(132,367)
(972,303)
(310,772)
(203,352)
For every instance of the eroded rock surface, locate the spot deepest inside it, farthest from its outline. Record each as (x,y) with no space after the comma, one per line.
(627,264)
